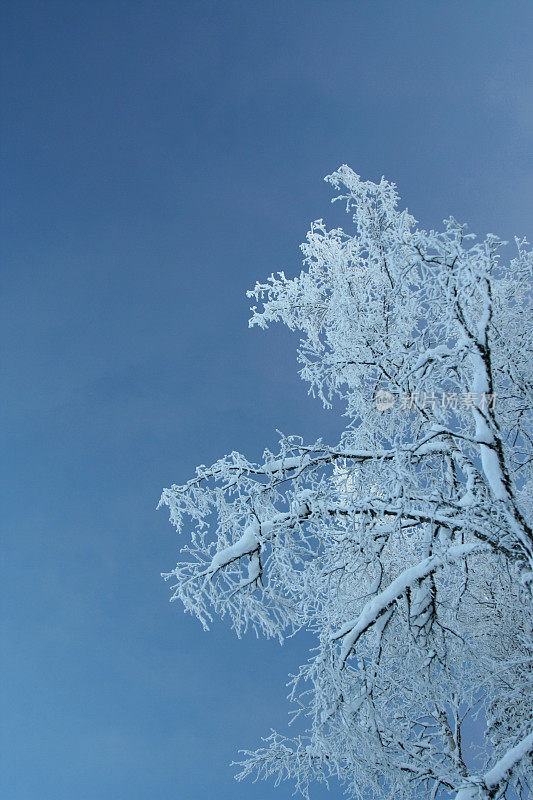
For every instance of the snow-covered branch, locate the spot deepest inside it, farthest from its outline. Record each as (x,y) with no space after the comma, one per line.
(486,786)
(380,603)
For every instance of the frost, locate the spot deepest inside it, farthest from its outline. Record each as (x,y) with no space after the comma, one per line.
(406,547)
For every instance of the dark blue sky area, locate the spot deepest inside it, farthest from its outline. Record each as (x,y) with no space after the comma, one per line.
(158,158)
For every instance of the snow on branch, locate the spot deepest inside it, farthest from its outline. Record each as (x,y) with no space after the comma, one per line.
(352,631)
(485,787)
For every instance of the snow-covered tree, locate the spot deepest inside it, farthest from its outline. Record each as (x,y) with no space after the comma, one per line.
(406,548)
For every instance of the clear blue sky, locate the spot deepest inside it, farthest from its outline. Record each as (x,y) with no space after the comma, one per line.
(157,158)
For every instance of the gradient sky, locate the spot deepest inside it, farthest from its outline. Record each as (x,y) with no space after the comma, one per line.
(157,159)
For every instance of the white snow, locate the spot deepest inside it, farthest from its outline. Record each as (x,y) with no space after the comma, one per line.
(351,631)
(246,544)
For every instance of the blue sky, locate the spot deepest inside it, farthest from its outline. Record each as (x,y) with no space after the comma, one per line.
(157,159)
